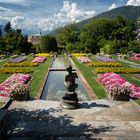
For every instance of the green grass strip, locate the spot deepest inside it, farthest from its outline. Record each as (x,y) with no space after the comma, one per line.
(89,76)
(137,101)
(38,76)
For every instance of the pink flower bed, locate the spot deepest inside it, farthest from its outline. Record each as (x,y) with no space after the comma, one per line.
(84,59)
(39,59)
(7,86)
(113,81)
(136,57)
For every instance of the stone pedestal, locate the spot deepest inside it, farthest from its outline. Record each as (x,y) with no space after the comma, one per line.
(70,101)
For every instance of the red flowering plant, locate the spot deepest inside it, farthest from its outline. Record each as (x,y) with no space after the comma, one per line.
(20,88)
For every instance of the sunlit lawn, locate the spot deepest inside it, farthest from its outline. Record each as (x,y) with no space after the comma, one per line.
(90,78)
(38,76)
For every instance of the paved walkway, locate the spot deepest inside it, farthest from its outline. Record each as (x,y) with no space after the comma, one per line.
(46,120)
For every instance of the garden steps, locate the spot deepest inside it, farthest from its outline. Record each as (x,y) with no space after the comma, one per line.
(99,119)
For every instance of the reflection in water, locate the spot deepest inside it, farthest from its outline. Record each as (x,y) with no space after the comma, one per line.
(54,87)
(60,63)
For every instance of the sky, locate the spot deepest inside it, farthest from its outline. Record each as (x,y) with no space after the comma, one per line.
(33,16)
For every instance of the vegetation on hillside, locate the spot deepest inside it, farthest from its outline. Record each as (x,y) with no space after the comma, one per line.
(109,35)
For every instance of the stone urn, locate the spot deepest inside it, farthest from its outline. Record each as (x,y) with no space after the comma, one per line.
(119,97)
(20,97)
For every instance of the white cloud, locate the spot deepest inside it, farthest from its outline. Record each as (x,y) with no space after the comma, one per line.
(19,2)
(113,6)
(17,21)
(68,14)
(7,15)
(133,2)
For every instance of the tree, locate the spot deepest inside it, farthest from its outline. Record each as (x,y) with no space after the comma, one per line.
(138,22)
(93,32)
(48,44)
(8,28)
(67,35)
(0,31)
(123,33)
(2,44)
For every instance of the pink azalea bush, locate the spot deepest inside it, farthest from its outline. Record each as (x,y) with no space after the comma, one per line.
(39,59)
(136,57)
(7,87)
(116,84)
(84,59)
(20,88)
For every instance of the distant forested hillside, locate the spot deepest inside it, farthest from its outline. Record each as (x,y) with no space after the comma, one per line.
(131,12)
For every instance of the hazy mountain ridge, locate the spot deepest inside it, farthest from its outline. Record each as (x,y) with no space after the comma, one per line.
(131,12)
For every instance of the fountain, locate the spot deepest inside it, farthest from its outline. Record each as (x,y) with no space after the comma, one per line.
(54,88)
(70,100)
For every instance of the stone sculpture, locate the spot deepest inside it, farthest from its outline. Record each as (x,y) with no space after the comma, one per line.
(70,99)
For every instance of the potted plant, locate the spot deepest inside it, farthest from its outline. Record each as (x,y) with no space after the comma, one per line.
(20,92)
(119,92)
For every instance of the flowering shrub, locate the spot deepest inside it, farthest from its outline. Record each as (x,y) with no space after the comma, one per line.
(23,64)
(39,59)
(116,84)
(15,70)
(18,59)
(20,88)
(43,54)
(7,86)
(136,57)
(117,70)
(105,59)
(83,59)
(104,64)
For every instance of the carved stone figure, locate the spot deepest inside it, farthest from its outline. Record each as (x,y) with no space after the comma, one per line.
(70,100)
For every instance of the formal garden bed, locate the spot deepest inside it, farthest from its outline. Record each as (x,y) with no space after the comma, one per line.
(121,67)
(37,71)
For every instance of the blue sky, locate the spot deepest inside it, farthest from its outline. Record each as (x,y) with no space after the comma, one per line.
(46,15)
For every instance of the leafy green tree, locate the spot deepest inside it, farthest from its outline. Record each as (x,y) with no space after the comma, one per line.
(138,22)
(122,33)
(0,32)
(2,44)
(8,27)
(67,35)
(93,32)
(48,44)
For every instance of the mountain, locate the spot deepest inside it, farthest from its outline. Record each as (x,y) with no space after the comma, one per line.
(131,12)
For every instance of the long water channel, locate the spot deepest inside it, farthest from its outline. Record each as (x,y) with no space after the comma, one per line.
(54,88)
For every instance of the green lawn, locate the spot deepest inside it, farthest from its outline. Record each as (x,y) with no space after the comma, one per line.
(90,77)
(137,101)
(128,77)
(3,77)
(1,104)
(38,76)
(135,61)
